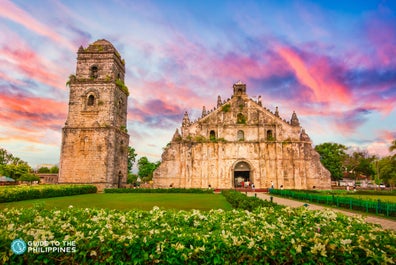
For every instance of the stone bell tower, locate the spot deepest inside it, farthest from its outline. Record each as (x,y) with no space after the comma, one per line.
(94,138)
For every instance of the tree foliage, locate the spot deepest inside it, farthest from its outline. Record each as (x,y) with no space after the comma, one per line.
(360,163)
(386,170)
(131,158)
(54,170)
(43,170)
(332,156)
(146,168)
(12,166)
(29,178)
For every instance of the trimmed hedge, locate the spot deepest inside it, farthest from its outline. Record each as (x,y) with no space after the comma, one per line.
(241,201)
(173,190)
(20,193)
(365,205)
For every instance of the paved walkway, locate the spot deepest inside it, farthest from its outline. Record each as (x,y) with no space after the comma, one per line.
(385,223)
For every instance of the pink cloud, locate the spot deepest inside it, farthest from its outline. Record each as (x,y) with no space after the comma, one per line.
(18,57)
(12,12)
(29,63)
(31,113)
(387,135)
(317,75)
(382,36)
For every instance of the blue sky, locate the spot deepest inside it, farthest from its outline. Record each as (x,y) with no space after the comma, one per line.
(333,62)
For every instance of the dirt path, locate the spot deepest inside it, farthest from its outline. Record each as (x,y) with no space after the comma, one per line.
(385,223)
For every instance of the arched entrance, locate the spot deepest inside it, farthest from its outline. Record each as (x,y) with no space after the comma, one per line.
(241,174)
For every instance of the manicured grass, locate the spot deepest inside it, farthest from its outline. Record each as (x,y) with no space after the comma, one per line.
(383,198)
(124,201)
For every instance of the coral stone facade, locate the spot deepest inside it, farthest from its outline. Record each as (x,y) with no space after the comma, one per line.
(94,139)
(239,143)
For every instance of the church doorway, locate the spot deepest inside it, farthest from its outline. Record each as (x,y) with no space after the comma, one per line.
(242,175)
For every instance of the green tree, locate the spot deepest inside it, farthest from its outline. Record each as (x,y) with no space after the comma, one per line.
(43,170)
(360,163)
(54,170)
(12,166)
(332,156)
(146,168)
(393,148)
(29,178)
(131,158)
(386,170)
(132,178)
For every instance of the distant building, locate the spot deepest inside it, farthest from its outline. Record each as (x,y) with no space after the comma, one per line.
(238,143)
(94,139)
(48,178)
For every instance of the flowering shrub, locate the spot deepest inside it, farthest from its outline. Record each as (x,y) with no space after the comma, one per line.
(19,193)
(239,200)
(263,236)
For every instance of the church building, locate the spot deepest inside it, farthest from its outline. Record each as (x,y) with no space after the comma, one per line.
(94,139)
(240,143)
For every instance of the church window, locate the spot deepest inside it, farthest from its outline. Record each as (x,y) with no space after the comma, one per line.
(94,72)
(212,135)
(91,100)
(120,105)
(270,136)
(240,135)
(241,119)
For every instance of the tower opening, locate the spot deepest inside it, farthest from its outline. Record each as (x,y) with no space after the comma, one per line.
(91,100)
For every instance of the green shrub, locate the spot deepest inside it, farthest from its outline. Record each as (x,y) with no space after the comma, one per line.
(20,193)
(239,200)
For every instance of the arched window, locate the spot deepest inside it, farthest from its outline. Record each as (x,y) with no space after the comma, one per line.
(91,100)
(94,72)
(241,119)
(270,137)
(120,104)
(240,135)
(212,135)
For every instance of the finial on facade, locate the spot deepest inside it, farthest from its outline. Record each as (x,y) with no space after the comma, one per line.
(203,111)
(186,120)
(304,136)
(219,101)
(259,100)
(81,49)
(176,136)
(239,88)
(294,120)
(276,111)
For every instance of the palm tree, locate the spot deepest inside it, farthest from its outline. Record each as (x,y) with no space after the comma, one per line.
(393,146)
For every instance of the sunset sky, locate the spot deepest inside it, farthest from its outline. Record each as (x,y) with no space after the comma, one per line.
(333,62)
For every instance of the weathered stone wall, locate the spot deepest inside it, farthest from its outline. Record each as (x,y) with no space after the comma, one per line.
(241,130)
(202,164)
(94,139)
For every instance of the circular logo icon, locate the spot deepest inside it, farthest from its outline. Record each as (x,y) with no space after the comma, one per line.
(18,246)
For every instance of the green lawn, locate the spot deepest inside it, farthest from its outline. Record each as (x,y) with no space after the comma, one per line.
(383,198)
(144,201)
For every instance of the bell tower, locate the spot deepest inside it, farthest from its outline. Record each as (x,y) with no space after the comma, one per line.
(95,139)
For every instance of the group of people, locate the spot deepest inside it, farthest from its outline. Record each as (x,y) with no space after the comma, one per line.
(246,184)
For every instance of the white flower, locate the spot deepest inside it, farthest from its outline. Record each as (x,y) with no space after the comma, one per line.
(346,241)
